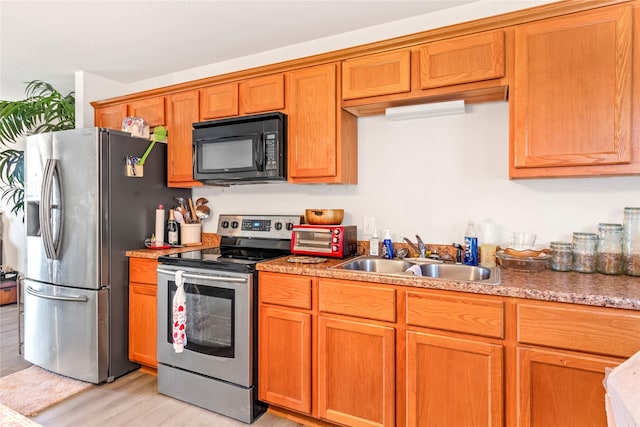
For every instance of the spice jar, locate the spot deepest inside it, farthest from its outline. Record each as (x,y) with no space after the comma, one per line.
(584,252)
(610,248)
(561,256)
(631,242)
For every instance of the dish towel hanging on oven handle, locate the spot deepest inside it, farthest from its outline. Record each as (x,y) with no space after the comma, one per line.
(179,315)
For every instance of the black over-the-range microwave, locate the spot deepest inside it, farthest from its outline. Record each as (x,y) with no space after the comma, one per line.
(241,150)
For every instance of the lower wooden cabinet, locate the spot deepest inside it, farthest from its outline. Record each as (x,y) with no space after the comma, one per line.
(369,354)
(356,372)
(143,312)
(285,358)
(559,388)
(453,381)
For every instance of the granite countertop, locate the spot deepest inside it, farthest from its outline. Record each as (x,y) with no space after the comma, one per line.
(570,287)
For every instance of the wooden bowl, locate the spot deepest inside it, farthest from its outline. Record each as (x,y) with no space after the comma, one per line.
(324,216)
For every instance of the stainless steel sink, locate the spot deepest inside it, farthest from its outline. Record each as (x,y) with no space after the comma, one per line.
(375,265)
(397,267)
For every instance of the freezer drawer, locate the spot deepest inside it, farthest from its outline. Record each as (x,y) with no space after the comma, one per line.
(67,330)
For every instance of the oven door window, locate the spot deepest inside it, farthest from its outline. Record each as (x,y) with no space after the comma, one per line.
(312,239)
(210,319)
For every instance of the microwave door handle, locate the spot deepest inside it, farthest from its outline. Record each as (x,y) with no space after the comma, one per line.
(260,153)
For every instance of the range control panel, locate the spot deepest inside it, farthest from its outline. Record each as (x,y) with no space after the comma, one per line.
(262,226)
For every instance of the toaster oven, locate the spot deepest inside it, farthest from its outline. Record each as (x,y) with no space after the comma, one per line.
(335,241)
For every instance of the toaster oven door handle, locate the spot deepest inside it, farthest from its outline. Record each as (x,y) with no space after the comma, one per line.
(205,277)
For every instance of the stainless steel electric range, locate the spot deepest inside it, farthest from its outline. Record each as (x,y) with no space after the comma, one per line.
(217,367)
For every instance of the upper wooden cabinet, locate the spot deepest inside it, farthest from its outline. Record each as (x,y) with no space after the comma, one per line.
(322,137)
(110,116)
(262,94)
(150,109)
(462,60)
(219,101)
(571,96)
(182,111)
(372,75)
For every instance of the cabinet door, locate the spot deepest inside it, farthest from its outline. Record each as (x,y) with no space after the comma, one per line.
(219,101)
(143,324)
(373,75)
(462,60)
(312,123)
(453,381)
(356,373)
(571,96)
(262,94)
(110,117)
(182,112)
(151,110)
(558,388)
(284,343)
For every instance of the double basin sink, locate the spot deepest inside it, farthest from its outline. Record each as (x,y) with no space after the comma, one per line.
(426,268)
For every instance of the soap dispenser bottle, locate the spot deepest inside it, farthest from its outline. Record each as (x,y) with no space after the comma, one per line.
(374,244)
(387,246)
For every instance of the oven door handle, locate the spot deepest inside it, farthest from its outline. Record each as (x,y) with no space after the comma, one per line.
(206,277)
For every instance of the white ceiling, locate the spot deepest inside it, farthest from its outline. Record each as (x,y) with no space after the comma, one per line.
(128,41)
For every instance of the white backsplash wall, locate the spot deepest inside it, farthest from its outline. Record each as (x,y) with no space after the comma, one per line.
(431,176)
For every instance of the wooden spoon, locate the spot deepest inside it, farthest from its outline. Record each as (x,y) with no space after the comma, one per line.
(192,211)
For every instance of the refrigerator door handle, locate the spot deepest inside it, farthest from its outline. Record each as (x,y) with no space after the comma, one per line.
(50,178)
(35,293)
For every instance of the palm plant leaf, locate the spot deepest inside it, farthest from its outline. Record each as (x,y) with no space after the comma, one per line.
(43,110)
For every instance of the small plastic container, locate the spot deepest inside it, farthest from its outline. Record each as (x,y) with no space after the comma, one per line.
(561,256)
(610,248)
(584,252)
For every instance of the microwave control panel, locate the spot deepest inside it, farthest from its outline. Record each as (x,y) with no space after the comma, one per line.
(271,151)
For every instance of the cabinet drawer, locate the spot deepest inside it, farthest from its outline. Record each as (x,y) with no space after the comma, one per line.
(342,297)
(595,330)
(287,290)
(469,315)
(462,60)
(142,270)
(373,75)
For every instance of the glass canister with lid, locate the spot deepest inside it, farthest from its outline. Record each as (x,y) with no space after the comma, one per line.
(631,242)
(584,252)
(610,248)
(561,256)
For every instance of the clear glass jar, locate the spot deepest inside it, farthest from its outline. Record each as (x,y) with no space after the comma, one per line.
(561,256)
(584,252)
(631,242)
(610,248)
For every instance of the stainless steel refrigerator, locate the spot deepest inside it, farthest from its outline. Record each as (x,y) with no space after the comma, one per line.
(82,213)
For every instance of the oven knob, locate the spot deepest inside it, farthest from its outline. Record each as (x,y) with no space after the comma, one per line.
(335,248)
(336,240)
(234,224)
(278,226)
(336,231)
(225,224)
(289,226)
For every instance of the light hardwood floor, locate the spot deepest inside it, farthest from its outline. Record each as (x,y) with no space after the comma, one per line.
(132,400)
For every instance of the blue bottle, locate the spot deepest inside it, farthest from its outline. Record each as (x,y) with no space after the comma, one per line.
(387,246)
(470,245)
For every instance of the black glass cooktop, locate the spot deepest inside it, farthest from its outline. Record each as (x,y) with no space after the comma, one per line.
(241,259)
